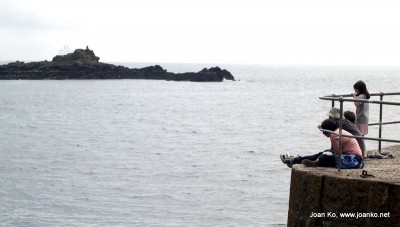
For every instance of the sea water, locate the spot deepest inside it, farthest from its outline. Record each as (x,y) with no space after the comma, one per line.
(165,153)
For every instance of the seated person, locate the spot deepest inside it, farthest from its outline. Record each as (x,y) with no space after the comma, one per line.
(348,125)
(349,146)
(327,159)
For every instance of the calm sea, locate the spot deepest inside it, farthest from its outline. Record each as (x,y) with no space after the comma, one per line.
(164,153)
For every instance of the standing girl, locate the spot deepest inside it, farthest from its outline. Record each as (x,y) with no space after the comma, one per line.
(362,111)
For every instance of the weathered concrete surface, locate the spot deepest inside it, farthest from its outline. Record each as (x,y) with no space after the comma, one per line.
(327,194)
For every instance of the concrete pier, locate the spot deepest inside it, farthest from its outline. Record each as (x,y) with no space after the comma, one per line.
(325,197)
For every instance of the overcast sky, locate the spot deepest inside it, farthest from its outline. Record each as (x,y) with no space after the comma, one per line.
(300,32)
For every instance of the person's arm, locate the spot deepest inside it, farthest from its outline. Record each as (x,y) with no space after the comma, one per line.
(357,104)
(335,144)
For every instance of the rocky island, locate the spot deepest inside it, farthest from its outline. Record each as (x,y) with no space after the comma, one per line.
(84,64)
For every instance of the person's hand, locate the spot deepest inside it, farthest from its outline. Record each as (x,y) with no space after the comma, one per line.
(354,95)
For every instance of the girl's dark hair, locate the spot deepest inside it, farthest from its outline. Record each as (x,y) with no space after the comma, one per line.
(362,88)
(329,125)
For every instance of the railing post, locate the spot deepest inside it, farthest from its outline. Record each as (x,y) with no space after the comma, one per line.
(380,122)
(340,133)
(333,101)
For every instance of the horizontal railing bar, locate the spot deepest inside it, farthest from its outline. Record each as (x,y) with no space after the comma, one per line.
(362,137)
(359,100)
(379,94)
(384,123)
(371,94)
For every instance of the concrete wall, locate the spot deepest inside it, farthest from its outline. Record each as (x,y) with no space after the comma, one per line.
(326,193)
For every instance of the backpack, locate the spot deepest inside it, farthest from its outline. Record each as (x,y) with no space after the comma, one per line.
(350,161)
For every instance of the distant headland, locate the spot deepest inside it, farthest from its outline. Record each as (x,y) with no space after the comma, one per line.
(84,64)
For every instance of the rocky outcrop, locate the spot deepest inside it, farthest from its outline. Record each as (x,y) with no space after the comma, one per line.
(84,64)
(80,57)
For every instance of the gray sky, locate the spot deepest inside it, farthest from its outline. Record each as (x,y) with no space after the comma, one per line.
(301,32)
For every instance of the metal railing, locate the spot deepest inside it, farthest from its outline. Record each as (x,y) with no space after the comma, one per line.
(341,99)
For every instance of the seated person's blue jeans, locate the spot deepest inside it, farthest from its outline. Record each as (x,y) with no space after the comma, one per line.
(327,160)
